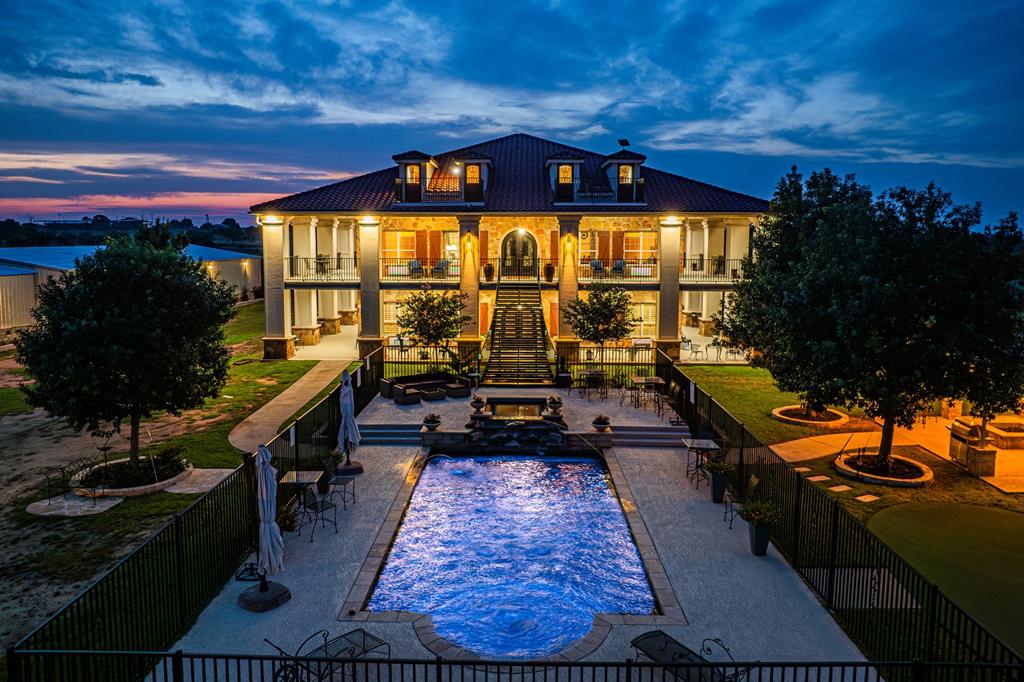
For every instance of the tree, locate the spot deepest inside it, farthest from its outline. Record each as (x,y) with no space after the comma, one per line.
(848,300)
(431,318)
(603,316)
(987,357)
(132,329)
(159,236)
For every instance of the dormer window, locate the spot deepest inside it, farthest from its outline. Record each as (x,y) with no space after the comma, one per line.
(565,174)
(412,174)
(625,191)
(413,186)
(474,189)
(564,186)
(625,174)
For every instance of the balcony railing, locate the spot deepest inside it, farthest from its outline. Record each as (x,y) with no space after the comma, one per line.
(419,270)
(699,270)
(601,191)
(445,192)
(323,269)
(618,270)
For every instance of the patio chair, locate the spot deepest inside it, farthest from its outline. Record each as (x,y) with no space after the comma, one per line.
(661,648)
(340,486)
(596,268)
(696,350)
(440,268)
(354,644)
(314,508)
(619,268)
(415,268)
(738,497)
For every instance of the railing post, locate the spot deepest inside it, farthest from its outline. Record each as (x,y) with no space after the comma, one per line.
(795,561)
(833,557)
(13,665)
(437,669)
(741,468)
(629,670)
(178,666)
(931,636)
(179,571)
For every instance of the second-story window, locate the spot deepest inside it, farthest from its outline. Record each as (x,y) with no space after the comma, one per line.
(565,174)
(412,174)
(472,174)
(625,174)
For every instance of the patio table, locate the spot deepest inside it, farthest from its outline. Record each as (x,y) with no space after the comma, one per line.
(643,385)
(699,449)
(301,478)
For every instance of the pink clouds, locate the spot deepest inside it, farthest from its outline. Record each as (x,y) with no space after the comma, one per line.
(165,203)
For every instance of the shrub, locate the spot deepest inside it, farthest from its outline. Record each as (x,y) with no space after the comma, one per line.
(761,513)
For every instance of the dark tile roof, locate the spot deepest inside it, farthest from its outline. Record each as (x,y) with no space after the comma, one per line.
(626,155)
(518,184)
(412,155)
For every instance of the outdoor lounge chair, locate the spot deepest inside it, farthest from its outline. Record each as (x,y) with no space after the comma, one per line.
(619,268)
(330,653)
(596,268)
(691,666)
(415,268)
(440,268)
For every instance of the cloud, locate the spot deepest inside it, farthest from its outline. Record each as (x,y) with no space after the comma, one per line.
(164,203)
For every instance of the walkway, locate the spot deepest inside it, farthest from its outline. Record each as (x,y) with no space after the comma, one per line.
(262,425)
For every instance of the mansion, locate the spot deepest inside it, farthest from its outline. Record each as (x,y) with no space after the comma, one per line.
(519,224)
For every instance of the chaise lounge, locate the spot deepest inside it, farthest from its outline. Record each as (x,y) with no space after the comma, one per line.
(690,666)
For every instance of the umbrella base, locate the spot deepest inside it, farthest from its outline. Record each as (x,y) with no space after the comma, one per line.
(251,599)
(353,468)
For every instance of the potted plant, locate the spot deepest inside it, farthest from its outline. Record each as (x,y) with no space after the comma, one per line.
(478,403)
(432,421)
(549,272)
(602,422)
(719,470)
(761,516)
(563,377)
(489,271)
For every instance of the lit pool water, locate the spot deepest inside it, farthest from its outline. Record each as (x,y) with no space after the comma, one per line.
(513,556)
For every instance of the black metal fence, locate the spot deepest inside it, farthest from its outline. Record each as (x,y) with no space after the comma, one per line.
(698,269)
(419,269)
(617,364)
(324,268)
(63,666)
(404,360)
(149,598)
(882,602)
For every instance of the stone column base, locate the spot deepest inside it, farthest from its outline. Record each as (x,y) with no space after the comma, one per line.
(348,316)
(330,325)
(278,347)
(307,336)
(368,344)
(567,343)
(706,327)
(669,347)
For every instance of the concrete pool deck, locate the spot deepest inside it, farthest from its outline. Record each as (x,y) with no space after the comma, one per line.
(757,605)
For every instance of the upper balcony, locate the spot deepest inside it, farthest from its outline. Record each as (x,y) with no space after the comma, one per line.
(713,270)
(327,269)
(420,270)
(618,270)
(600,191)
(423,179)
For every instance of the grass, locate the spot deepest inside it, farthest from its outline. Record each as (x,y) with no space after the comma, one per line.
(352,367)
(973,553)
(248,324)
(750,395)
(12,401)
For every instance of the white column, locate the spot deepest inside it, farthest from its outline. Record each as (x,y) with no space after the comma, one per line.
(369,285)
(668,288)
(687,250)
(278,342)
(707,241)
(347,247)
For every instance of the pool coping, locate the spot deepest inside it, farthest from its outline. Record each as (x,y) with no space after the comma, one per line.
(668,609)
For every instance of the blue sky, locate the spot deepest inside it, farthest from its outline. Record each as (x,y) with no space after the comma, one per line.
(186,107)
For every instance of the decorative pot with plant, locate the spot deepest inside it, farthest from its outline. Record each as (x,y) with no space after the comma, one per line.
(478,403)
(554,403)
(549,272)
(761,516)
(719,470)
(432,421)
(601,422)
(489,271)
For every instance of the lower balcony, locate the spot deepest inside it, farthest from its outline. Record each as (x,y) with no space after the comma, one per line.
(322,269)
(419,270)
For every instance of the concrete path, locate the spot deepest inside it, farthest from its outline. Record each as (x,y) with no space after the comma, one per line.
(831,443)
(261,426)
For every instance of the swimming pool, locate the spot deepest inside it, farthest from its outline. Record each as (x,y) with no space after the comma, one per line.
(513,556)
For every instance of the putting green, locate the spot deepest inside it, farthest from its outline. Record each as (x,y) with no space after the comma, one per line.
(975,554)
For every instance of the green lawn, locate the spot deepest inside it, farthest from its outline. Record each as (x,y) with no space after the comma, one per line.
(12,401)
(750,395)
(973,553)
(248,325)
(355,364)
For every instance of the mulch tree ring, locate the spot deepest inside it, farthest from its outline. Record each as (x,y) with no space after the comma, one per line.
(798,414)
(902,472)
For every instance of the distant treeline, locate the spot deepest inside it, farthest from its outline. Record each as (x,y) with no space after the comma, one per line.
(94,230)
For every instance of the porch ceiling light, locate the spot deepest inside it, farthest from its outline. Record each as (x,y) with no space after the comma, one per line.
(367,220)
(671,220)
(272,220)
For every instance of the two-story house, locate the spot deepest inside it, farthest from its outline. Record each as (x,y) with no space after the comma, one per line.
(516,223)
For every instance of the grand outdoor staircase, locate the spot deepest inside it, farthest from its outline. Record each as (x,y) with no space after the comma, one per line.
(518,347)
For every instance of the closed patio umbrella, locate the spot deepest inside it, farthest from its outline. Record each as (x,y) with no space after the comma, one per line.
(267,595)
(348,430)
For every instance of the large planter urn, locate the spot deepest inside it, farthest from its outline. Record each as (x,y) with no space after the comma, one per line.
(549,272)
(719,481)
(431,425)
(760,536)
(601,425)
(489,272)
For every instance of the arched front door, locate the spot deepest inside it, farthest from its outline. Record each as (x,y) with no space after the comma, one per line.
(519,256)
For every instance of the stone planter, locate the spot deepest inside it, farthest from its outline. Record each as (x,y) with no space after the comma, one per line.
(718,483)
(601,426)
(840,418)
(136,491)
(431,426)
(848,471)
(760,536)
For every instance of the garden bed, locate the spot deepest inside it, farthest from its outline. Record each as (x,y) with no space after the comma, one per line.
(901,472)
(798,414)
(124,478)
